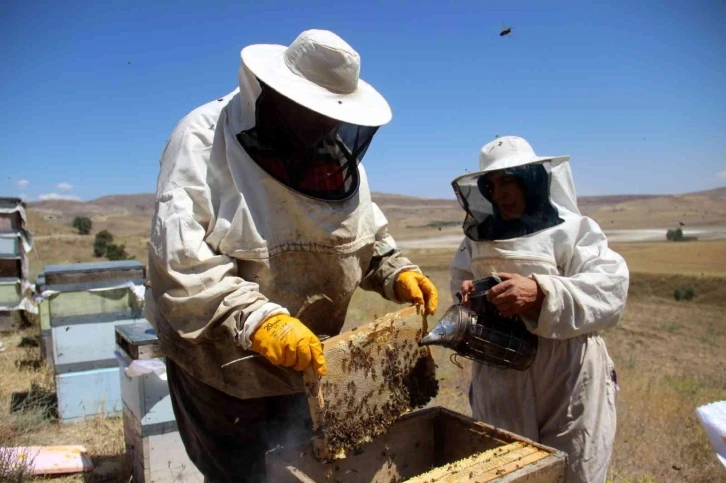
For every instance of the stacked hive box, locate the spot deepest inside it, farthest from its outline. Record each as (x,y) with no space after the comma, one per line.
(85,302)
(46,344)
(153,445)
(15,244)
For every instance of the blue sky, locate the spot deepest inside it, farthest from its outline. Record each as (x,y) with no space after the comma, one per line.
(635,92)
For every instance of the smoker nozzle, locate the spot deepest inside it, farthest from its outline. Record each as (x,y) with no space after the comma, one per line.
(430,339)
(451,329)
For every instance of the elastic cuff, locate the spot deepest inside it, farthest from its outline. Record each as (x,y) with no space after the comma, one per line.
(545,284)
(255,319)
(389,286)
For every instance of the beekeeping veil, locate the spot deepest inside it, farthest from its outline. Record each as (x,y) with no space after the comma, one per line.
(319,72)
(545,184)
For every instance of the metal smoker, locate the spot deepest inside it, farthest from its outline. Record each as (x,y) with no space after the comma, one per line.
(475,330)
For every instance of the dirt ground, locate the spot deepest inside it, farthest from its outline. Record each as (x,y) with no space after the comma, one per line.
(668,354)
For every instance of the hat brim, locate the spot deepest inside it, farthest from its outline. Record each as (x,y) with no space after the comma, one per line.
(511,162)
(364,107)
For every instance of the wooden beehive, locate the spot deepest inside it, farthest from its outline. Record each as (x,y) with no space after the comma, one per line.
(10,293)
(82,311)
(10,265)
(429,445)
(10,244)
(376,373)
(9,218)
(15,241)
(154,447)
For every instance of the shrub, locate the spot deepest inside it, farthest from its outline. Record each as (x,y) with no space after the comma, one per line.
(684,293)
(100,244)
(16,465)
(117,252)
(82,224)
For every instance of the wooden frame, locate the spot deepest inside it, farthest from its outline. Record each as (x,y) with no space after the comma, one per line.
(433,444)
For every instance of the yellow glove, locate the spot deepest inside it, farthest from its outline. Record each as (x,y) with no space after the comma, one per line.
(285,341)
(417,289)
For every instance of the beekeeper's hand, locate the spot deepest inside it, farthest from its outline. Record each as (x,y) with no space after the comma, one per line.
(466,289)
(417,289)
(516,295)
(285,341)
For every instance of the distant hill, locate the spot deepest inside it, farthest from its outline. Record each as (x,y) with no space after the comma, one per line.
(132,213)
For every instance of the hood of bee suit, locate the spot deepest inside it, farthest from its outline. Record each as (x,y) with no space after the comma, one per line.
(545,180)
(320,72)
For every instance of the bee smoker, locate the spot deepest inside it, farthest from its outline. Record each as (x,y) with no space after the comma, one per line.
(477,331)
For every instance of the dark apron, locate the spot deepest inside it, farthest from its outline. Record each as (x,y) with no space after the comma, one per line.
(227,438)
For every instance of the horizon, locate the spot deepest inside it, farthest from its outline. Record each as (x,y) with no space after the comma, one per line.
(380,193)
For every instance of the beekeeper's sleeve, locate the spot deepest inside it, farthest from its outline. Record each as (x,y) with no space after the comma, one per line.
(591,294)
(195,289)
(387,261)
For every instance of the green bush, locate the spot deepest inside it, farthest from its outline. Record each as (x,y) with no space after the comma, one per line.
(82,224)
(100,244)
(677,235)
(684,293)
(117,252)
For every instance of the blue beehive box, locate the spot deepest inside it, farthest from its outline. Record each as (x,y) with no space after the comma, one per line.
(88,300)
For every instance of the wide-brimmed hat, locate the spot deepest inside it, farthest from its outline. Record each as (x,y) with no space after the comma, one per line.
(507,152)
(320,71)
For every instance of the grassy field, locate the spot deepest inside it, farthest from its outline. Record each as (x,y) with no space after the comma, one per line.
(669,357)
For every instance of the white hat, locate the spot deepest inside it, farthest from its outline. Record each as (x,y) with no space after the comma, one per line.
(320,71)
(508,152)
(511,151)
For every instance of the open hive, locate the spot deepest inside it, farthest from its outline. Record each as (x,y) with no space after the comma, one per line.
(426,446)
(376,373)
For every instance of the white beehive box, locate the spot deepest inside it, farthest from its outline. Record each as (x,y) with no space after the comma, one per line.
(154,447)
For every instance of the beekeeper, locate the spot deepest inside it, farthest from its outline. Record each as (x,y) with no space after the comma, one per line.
(263,229)
(522,223)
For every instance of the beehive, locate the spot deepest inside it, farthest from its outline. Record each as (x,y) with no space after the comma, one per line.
(154,447)
(15,243)
(10,244)
(46,339)
(86,302)
(429,445)
(376,373)
(10,292)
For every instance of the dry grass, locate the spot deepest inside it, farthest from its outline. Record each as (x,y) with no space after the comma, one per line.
(682,258)
(669,358)
(669,354)
(697,209)
(16,465)
(103,437)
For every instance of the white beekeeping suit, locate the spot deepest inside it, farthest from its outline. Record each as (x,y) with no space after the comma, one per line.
(232,245)
(566,398)
(263,229)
